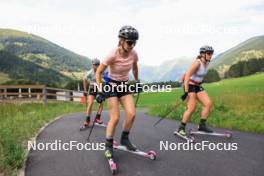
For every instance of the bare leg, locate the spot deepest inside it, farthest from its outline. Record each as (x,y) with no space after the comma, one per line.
(191,105)
(90,105)
(130,111)
(206,102)
(207,105)
(114,116)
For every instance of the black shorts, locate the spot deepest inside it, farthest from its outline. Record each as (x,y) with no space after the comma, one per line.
(92,91)
(116,89)
(195,88)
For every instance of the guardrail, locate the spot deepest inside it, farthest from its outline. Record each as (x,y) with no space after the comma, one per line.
(38,92)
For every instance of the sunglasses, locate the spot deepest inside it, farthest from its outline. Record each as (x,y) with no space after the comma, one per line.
(131,42)
(208,53)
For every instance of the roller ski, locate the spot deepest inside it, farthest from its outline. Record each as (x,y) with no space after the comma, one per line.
(150,154)
(127,146)
(227,134)
(111,162)
(84,126)
(184,136)
(204,130)
(109,155)
(98,122)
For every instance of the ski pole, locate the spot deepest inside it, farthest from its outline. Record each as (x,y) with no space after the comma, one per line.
(137,99)
(174,107)
(98,111)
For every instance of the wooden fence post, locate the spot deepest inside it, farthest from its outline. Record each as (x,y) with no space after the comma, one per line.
(44,92)
(19,91)
(5,91)
(29,92)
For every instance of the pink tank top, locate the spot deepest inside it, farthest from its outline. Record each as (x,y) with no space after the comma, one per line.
(119,67)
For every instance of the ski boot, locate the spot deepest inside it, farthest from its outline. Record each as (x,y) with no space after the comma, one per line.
(126,142)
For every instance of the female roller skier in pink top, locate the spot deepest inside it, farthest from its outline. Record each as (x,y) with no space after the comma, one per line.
(119,61)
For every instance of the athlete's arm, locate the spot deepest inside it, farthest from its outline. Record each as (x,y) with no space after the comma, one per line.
(84,86)
(99,73)
(194,67)
(86,80)
(135,70)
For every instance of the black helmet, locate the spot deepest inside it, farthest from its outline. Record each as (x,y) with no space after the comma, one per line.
(206,48)
(128,33)
(95,61)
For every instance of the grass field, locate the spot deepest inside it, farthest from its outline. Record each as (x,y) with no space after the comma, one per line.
(18,123)
(4,78)
(238,104)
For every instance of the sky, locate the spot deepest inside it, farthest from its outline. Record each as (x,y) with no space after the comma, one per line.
(168,29)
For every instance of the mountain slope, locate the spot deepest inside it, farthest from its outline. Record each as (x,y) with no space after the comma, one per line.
(170,70)
(249,49)
(44,53)
(19,69)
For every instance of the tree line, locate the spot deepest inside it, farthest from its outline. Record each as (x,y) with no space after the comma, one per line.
(244,68)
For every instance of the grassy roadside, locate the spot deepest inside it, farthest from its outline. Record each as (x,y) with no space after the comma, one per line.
(238,104)
(18,123)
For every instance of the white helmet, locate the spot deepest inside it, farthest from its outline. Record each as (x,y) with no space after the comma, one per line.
(95,61)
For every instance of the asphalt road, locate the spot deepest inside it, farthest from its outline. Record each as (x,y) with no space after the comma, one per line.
(247,160)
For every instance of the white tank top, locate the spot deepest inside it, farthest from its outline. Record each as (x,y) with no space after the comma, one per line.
(200,73)
(90,76)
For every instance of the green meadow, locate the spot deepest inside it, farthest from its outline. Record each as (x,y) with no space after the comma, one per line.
(238,104)
(18,123)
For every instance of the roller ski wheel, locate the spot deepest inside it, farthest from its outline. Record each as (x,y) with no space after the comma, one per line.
(113,166)
(228,134)
(83,127)
(152,155)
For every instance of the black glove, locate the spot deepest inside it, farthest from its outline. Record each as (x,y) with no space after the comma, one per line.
(100,97)
(85,94)
(139,87)
(184,96)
